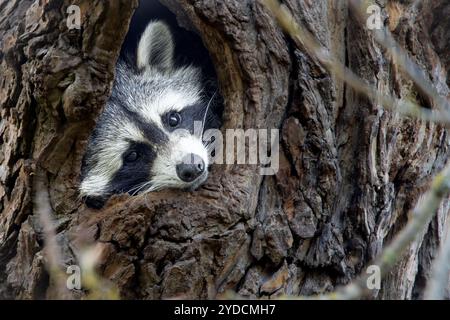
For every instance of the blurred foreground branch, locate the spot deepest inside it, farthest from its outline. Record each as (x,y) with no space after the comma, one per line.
(419,219)
(439,282)
(384,37)
(52,252)
(304,39)
(98,288)
(440,186)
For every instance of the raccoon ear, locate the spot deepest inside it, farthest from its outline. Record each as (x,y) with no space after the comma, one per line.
(156,47)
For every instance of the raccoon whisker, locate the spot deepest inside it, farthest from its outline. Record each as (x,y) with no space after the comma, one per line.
(134,191)
(143,188)
(138,188)
(134,188)
(152,188)
(206,112)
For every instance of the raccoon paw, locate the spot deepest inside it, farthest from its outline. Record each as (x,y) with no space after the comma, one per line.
(94,202)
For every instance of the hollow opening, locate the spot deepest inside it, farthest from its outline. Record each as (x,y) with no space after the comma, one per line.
(189,48)
(134,148)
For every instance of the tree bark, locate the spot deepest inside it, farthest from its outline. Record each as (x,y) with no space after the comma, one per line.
(349,170)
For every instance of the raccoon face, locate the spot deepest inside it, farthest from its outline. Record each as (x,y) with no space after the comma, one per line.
(149,136)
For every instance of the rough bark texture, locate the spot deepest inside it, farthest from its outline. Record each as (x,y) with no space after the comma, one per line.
(349,171)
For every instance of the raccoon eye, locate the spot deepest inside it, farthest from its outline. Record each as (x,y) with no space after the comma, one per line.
(174,119)
(131,157)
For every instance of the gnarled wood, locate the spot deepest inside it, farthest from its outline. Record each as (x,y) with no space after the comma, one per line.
(349,171)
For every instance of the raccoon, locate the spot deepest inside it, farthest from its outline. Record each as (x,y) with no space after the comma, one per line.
(145,139)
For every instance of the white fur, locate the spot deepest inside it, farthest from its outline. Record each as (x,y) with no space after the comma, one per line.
(164,172)
(109,158)
(156,41)
(168,100)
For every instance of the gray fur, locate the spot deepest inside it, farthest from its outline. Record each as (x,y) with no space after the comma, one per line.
(155,47)
(141,96)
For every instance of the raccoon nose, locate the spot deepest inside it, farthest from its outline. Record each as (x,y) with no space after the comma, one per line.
(191,167)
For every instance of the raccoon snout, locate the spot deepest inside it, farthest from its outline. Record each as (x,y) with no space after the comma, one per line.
(191,167)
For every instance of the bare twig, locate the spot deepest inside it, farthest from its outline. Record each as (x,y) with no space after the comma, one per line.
(440,186)
(420,218)
(98,287)
(304,39)
(384,37)
(43,209)
(439,282)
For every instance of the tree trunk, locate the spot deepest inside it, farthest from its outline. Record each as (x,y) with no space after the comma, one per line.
(349,170)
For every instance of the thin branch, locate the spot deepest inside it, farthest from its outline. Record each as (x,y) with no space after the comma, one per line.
(52,252)
(304,39)
(384,37)
(440,186)
(98,287)
(420,218)
(439,282)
